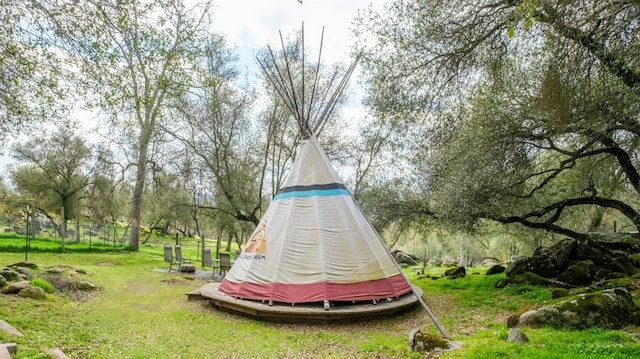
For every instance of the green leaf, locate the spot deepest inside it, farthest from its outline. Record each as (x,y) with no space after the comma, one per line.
(527,23)
(511,32)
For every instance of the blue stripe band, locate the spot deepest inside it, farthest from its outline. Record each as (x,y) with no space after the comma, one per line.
(302,194)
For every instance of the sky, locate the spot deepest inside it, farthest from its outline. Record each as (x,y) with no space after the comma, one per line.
(250,25)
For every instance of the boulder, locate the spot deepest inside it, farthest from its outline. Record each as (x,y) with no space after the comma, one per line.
(456,272)
(3,282)
(634,259)
(24,264)
(559,293)
(32,292)
(419,342)
(8,328)
(516,336)
(10,275)
(541,264)
(602,257)
(15,287)
(610,309)
(25,272)
(606,274)
(562,252)
(579,274)
(501,283)
(404,258)
(529,278)
(85,286)
(496,269)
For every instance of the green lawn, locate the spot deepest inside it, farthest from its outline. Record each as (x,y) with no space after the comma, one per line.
(140,312)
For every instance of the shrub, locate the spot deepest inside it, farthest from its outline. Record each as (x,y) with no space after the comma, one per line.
(42,283)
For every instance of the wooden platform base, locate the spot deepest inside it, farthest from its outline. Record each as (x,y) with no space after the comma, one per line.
(305,313)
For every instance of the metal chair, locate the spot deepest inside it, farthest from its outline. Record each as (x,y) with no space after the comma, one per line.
(168,257)
(225,262)
(179,257)
(208,261)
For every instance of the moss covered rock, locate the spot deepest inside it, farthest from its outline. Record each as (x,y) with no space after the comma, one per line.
(559,293)
(578,274)
(456,272)
(529,278)
(32,292)
(635,259)
(610,309)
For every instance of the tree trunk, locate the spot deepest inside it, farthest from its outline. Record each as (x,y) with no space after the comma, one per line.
(78,224)
(136,210)
(229,240)
(63,228)
(596,219)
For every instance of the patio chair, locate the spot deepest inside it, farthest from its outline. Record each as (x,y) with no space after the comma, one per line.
(168,257)
(179,257)
(208,261)
(225,263)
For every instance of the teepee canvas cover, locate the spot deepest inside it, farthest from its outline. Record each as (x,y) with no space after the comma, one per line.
(314,243)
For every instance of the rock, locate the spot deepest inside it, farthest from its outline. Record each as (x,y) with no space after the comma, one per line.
(619,283)
(611,309)
(456,272)
(56,353)
(3,281)
(489,262)
(563,252)
(25,272)
(516,336)
(496,269)
(55,270)
(24,265)
(404,258)
(540,264)
(413,346)
(605,274)
(634,259)
(85,286)
(7,328)
(449,263)
(579,274)
(32,292)
(15,287)
(419,342)
(8,349)
(501,283)
(602,257)
(529,278)
(10,275)
(559,293)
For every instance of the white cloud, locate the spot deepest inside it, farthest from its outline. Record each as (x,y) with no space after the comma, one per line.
(252,24)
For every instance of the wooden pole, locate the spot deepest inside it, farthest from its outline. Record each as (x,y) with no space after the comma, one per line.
(63,228)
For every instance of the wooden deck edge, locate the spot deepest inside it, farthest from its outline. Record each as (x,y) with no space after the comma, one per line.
(281,312)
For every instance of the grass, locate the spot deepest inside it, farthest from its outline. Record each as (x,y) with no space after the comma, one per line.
(140,312)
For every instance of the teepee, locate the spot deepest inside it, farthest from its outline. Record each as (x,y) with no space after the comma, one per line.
(313,244)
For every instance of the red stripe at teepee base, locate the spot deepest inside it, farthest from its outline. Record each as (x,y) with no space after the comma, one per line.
(317,292)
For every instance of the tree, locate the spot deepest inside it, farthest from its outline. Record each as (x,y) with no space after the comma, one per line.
(31,75)
(57,169)
(214,126)
(133,57)
(526,110)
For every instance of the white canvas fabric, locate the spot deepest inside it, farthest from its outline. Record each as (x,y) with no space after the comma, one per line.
(314,243)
